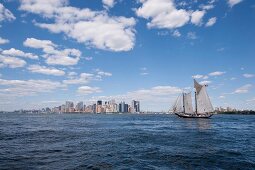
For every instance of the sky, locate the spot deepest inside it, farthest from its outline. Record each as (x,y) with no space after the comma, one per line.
(52,51)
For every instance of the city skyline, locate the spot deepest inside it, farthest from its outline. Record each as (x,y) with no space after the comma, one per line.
(54,51)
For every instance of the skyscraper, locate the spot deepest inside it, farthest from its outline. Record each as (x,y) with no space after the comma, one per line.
(79,107)
(135,106)
(69,106)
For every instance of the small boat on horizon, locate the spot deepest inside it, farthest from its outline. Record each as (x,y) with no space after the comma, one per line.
(203,107)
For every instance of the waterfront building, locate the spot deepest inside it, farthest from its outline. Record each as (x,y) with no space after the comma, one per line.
(94,108)
(79,107)
(69,106)
(135,106)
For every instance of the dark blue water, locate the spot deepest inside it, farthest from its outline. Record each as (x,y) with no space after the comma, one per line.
(86,141)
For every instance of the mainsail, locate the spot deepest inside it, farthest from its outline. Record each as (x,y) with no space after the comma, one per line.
(188,103)
(204,104)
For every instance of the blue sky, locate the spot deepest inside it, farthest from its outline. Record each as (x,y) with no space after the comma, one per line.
(149,50)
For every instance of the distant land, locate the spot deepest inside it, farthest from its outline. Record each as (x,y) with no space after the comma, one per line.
(243,112)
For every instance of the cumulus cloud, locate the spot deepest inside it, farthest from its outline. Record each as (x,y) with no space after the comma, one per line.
(12,62)
(211,22)
(243,89)
(112,33)
(85,90)
(53,55)
(196,17)
(162,14)
(232,3)
(27,87)
(165,14)
(45,70)
(248,75)
(3,41)
(5,14)
(18,53)
(108,3)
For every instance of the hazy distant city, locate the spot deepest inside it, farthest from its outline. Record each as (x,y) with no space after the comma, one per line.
(98,107)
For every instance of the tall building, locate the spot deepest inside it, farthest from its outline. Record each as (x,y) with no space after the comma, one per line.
(126,108)
(94,108)
(135,106)
(99,102)
(122,107)
(69,106)
(79,107)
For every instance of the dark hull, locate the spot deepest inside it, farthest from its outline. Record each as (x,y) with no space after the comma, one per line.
(185,115)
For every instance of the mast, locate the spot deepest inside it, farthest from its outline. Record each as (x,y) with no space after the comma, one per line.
(196,101)
(183,103)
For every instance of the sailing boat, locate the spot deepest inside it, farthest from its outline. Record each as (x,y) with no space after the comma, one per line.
(203,106)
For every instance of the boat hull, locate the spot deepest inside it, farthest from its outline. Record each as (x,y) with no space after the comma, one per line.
(185,115)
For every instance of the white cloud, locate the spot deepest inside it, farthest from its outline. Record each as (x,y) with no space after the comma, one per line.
(45,7)
(176,33)
(88,58)
(192,35)
(102,73)
(206,7)
(248,75)
(211,22)
(18,53)
(108,3)
(5,14)
(52,54)
(243,89)
(112,33)
(85,90)
(11,62)
(233,78)
(222,97)
(45,70)
(144,74)
(199,76)
(205,82)
(197,16)
(217,73)
(27,87)
(84,78)
(3,41)
(163,14)
(144,71)
(232,3)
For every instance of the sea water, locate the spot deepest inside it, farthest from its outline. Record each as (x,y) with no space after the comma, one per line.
(126,141)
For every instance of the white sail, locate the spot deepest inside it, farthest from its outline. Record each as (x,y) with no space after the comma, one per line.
(178,106)
(188,103)
(203,101)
